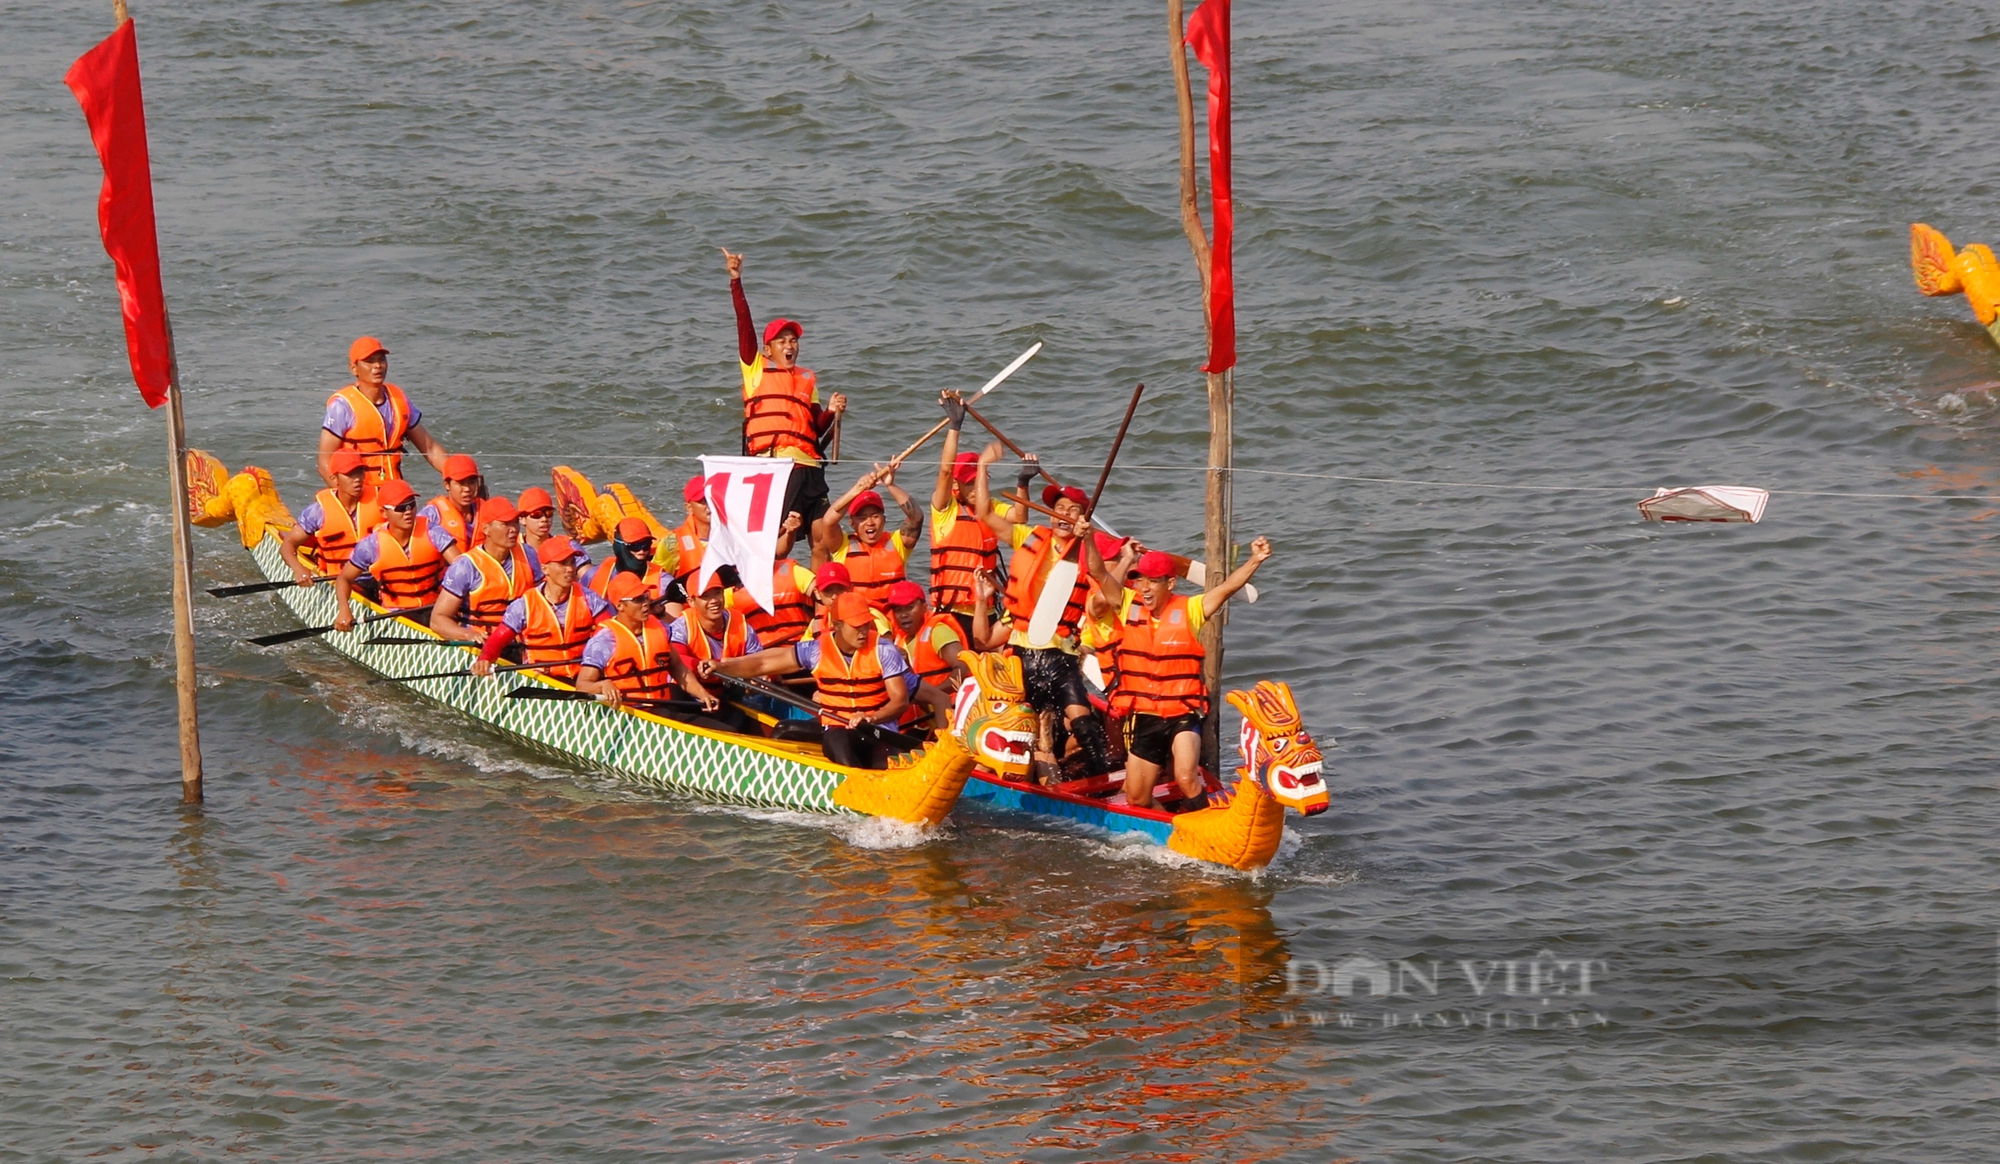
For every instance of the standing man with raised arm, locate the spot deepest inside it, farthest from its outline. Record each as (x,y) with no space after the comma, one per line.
(373,418)
(782,416)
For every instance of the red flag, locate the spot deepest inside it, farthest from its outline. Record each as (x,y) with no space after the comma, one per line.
(1208,35)
(106,83)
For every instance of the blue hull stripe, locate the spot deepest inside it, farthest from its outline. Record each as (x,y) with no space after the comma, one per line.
(1002,798)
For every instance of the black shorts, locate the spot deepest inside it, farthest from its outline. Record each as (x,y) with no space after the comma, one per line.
(1151,738)
(1054,679)
(805,493)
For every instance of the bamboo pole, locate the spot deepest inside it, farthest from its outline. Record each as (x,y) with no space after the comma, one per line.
(184,668)
(1221,398)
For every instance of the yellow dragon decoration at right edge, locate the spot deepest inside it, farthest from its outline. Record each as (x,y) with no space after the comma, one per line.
(1972,272)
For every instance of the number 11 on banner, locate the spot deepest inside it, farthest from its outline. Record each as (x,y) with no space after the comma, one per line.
(746,499)
(760,499)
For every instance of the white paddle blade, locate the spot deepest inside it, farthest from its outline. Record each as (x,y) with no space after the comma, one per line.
(1007,371)
(1049,606)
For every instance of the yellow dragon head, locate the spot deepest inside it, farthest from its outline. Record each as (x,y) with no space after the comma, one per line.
(1277,752)
(991,715)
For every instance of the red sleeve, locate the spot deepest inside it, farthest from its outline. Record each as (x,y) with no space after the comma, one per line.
(496,642)
(746,328)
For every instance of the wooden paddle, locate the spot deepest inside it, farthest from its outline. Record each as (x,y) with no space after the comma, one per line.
(567,695)
(989,386)
(1097,494)
(261,587)
(292,636)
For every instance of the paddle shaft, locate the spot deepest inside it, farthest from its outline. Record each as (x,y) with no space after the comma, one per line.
(801,702)
(453,674)
(260,587)
(291,636)
(989,386)
(1097,494)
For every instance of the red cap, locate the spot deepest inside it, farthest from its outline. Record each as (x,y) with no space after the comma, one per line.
(393,493)
(852,609)
(904,593)
(535,498)
(626,586)
(1154,564)
(832,574)
(696,489)
(965,468)
(631,529)
(778,327)
(363,348)
(345,461)
(1107,546)
(458,467)
(1070,491)
(497,509)
(866,499)
(556,549)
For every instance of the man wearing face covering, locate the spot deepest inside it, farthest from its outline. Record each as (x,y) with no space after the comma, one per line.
(631,553)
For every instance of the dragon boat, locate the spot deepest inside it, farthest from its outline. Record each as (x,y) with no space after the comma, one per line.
(1243,825)
(918,787)
(1972,272)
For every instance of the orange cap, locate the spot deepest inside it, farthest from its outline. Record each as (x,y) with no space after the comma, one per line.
(497,509)
(363,348)
(535,497)
(556,549)
(345,461)
(459,467)
(852,609)
(631,530)
(394,493)
(627,586)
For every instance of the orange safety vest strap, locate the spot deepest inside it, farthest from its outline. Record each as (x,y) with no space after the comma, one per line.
(546,638)
(638,665)
(408,577)
(778,411)
(1032,562)
(381,447)
(845,688)
(1159,663)
(969,546)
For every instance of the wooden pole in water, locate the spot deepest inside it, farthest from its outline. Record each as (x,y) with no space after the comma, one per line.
(1221,399)
(177,504)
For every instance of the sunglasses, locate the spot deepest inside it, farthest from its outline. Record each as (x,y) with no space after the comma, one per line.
(538,514)
(409,506)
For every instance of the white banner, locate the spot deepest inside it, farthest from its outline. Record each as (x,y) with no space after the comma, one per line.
(746,505)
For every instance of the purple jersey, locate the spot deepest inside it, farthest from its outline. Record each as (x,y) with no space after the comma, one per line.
(367,550)
(598,651)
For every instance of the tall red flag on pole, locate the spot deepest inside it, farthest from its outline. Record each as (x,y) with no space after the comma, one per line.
(1208,36)
(106,83)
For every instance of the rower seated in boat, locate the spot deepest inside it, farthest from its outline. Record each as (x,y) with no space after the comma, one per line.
(406,557)
(479,585)
(864,681)
(874,556)
(631,553)
(333,523)
(931,641)
(456,510)
(792,588)
(708,631)
(551,622)
(1159,694)
(373,419)
(629,656)
(538,520)
(686,543)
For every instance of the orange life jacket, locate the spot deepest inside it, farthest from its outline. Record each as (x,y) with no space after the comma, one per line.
(638,666)
(778,412)
(967,547)
(547,637)
(688,547)
(339,531)
(735,636)
(874,568)
(930,666)
(1159,663)
(451,521)
(409,577)
(846,688)
(380,446)
(1028,573)
(1102,636)
(486,602)
(791,608)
